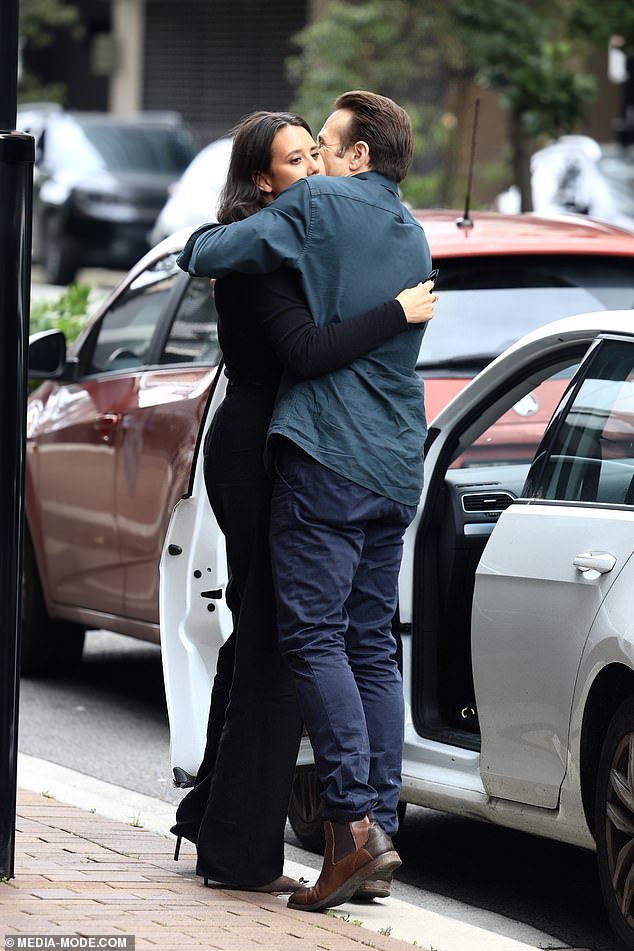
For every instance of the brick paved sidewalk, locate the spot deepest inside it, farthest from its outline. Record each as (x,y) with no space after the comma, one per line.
(79,873)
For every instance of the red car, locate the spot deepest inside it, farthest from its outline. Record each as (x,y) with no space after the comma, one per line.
(112,431)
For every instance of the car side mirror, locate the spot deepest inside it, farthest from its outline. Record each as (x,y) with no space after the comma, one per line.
(47,355)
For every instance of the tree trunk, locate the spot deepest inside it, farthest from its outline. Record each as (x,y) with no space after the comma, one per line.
(458,102)
(521,157)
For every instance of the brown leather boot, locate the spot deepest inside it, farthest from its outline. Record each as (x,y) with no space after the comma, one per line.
(367,891)
(355,852)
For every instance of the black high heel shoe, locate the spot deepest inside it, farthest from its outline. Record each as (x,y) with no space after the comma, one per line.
(181,831)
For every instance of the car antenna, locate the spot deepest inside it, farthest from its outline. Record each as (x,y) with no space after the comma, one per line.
(465,222)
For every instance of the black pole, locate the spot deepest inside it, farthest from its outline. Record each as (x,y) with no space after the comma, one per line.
(16,187)
(8,63)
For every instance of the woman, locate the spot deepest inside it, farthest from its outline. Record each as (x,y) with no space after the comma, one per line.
(237,810)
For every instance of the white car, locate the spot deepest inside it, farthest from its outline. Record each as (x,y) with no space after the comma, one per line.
(515,609)
(194,197)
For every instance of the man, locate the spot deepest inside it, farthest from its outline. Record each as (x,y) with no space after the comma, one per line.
(348,473)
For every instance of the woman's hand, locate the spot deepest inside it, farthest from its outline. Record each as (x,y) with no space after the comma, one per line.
(418,302)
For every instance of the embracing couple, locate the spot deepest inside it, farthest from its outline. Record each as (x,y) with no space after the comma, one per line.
(313,467)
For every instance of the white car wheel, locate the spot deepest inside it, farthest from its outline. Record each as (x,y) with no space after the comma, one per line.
(615,822)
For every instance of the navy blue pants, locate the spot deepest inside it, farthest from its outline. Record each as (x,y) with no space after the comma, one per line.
(336,551)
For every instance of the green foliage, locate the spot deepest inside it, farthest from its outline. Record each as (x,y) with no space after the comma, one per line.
(40,22)
(598,22)
(381,45)
(510,47)
(422,191)
(530,51)
(67,313)
(378,44)
(41,19)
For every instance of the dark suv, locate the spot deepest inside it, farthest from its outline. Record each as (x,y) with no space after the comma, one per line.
(99,184)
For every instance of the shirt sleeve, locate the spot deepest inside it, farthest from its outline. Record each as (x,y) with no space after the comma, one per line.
(307,350)
(259,244)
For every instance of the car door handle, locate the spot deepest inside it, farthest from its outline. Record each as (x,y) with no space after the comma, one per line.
(599,562)
(104,425)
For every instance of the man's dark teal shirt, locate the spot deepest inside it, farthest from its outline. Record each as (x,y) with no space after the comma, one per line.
(355,246)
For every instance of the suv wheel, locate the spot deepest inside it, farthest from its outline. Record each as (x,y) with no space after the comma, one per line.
(47,648)
(60,263)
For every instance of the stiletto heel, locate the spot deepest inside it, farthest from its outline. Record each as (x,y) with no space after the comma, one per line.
(177,850)
(206,882)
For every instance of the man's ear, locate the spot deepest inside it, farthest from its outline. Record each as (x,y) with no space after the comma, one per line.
(262,181)
(359,156)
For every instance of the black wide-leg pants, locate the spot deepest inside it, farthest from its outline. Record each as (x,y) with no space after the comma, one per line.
(242,790)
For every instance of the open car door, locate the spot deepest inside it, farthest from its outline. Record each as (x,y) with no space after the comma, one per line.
(194,617)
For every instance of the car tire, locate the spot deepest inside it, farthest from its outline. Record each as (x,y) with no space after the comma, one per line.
(47,648)
(614,822)
(304,810)
(60,263)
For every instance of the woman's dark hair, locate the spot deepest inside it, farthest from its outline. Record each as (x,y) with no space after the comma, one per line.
(384,125)
(251,153)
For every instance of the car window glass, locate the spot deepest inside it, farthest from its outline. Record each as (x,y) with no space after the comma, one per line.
(193,336)
(592,455)
(487,303)
(127,329)
(515,436)
(106,145)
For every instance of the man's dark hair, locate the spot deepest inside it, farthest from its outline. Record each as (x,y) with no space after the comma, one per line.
(386,128)
(251,153)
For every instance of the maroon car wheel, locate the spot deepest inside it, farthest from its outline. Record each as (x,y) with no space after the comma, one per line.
(47,648)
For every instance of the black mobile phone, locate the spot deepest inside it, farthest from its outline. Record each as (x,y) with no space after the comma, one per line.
(433,276)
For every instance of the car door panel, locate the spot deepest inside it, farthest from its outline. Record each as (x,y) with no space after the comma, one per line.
(83,439)
(76,441)
(544,574)
(531,616)
(194,617)
(158,440)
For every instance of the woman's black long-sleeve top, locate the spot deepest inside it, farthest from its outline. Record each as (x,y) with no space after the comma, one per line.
(265,327)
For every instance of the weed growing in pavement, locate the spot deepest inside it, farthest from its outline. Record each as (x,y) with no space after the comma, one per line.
(47,794)
(344,916)
(135,822)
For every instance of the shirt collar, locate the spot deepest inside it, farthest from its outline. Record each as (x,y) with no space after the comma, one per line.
(378,179)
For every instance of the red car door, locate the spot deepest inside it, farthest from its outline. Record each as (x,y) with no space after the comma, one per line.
(78,443)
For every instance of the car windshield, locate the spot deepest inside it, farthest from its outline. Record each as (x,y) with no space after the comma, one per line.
(94,145)
(487,303)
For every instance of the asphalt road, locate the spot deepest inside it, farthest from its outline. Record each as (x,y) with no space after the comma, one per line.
(110,722)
